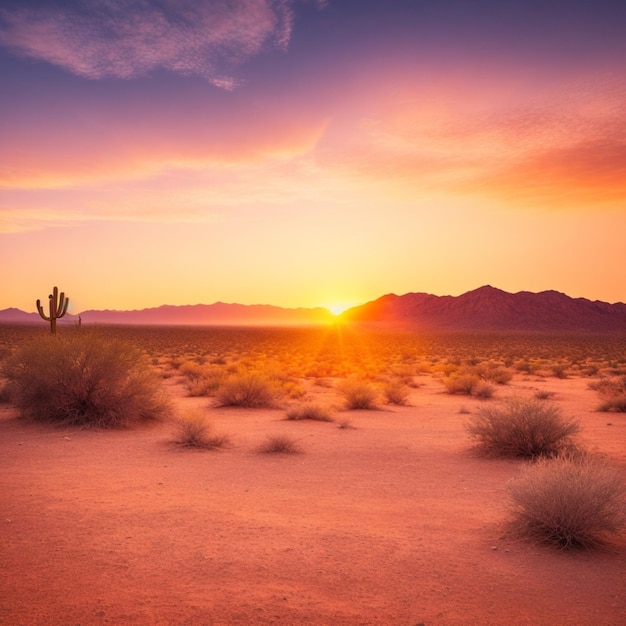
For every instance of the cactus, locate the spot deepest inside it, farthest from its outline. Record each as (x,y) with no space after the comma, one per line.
(58,308)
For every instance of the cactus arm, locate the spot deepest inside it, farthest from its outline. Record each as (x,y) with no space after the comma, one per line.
(63,303)
(40,309)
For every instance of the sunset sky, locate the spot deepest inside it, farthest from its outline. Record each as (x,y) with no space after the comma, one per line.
(304,153)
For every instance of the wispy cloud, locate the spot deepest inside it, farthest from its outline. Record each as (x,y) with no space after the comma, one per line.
(565,150)
(129,38)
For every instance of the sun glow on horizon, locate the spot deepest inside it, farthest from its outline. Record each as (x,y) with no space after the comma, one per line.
(337,308)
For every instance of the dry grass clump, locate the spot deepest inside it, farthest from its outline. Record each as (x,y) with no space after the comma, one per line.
(279,444)
(522,427)
(495,374)
(202,380)
(194,430)
(461,382)
(248,390)
(396,392)
(310,411)
(483,389)
(569,501)
(477,380)
(85,379)
(613,393)
(542,394)
(358,394)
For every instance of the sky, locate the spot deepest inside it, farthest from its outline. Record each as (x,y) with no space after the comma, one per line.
(310,152)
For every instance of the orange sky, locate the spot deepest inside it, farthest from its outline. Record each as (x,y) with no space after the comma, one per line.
(308,154)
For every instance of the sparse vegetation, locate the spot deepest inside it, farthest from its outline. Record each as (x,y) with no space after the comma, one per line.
(84,379)
(358,394)
(542,394)
(396,392)
(483,389)
(310,411)
(523,427)
(194,430)
(569,501)
(279,444)
(249,390)
(612,390)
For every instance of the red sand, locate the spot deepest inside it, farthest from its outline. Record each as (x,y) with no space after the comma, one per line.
(396,521)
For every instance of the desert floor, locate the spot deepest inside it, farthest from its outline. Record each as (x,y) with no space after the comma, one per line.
(394,520)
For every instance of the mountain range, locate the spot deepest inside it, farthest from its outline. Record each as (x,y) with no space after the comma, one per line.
(483,309)
(488,308)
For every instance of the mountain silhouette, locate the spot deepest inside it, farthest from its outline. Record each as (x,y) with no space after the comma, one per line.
(488,308)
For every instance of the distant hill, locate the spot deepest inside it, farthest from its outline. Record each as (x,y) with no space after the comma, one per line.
(488,308)
(218,314)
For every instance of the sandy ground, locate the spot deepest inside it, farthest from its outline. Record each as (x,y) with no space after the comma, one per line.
(395,521)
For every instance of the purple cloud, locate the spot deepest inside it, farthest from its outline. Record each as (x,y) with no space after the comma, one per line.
(129,38)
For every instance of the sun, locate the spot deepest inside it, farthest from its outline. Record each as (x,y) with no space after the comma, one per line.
(337,308)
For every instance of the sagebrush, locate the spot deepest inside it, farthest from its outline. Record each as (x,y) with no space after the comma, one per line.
(358,394)
(524,427)
(279,444)
(569,501)
(310,411)
(249,390)
(195,430)
(84,379)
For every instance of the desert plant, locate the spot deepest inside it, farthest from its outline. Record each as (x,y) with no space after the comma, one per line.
(497,375)
(358,394)
(309,411)
(613,392)
(57,308)
(396,392)
(559,370)
(542,394)
(249,390)
(195,431)
(279,444)
(461,382)
(614,403)
(524,427)
(483,389)
(85,379)
(569,501)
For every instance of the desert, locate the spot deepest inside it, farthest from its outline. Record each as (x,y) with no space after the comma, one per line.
(382,515)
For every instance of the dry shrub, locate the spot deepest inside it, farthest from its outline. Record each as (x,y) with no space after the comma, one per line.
(85,379)
(542,394)
(358,394)
(309,411)
(569,501)
(497,375)
(522,427)
(461,382)
(279,444)
(396,392)
(613,393)
(196,431)
(559,370)
(616,403)
(483,389)
(249,390)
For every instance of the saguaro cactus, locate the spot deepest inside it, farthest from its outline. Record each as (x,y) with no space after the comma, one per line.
(58,308)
